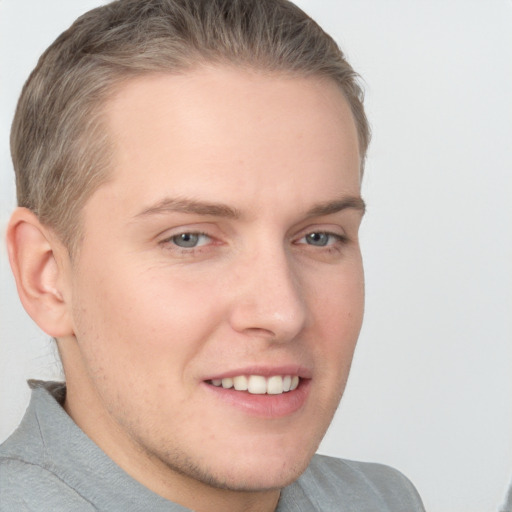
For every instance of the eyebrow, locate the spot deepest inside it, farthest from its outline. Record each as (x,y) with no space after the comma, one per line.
(330,207)
(172,205)
(181,205)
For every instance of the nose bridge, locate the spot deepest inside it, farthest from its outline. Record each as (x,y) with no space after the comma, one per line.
(270,300)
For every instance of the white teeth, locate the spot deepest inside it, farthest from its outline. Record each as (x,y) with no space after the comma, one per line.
(240,383)
(275,385)
(227,383)
(259,385)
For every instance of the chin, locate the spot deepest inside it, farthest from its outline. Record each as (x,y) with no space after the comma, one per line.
(256,472)
(255,479)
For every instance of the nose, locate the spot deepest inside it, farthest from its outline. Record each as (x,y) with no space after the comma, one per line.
(268,298)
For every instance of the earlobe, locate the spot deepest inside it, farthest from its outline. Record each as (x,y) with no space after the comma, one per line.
(39,272)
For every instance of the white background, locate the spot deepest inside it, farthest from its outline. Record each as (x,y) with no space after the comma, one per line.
(431,386)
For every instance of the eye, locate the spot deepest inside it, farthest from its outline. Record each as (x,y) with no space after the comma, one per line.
(190,240)
(321,239)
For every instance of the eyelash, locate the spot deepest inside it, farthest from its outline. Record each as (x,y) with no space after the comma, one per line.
(170,242)
(338,241)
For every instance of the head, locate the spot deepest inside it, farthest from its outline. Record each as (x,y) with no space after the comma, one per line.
(60,148)
(189,182)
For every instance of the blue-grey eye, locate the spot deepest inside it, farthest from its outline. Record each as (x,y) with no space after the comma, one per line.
(188,240)
(318,239)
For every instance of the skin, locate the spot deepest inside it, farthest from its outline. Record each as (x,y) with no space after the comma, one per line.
(143,323)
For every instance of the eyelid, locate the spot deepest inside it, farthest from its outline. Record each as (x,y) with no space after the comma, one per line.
(197,232)
(200,243)
(166,237)
(199,228)
(340,238)
(329,229)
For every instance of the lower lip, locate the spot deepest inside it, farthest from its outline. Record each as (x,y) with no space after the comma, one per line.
(267,406)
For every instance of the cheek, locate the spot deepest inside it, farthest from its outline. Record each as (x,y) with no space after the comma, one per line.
(143,319)
(338,315)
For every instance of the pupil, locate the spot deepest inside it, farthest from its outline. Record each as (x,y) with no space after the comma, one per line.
(317,239)
(186,240)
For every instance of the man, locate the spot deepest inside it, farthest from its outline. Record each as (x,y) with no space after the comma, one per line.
(188,178)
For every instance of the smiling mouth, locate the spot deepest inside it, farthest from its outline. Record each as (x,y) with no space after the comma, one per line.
(259,385)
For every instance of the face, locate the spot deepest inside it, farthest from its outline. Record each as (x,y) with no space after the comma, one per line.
(222,252)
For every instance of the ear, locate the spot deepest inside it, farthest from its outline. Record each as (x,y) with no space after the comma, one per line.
(40,264)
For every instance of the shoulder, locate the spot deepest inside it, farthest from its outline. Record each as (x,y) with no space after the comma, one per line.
(507,505)
(28,487)
(28,478)
(359,486)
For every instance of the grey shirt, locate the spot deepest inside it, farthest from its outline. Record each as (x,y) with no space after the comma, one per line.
(507,505)
(50,465)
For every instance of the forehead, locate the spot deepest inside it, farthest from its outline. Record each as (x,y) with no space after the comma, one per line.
(220,123)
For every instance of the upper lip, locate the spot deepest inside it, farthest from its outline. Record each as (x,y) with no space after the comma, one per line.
(265,371)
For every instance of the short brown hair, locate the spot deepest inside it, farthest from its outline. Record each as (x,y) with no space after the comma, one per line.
(59,149)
